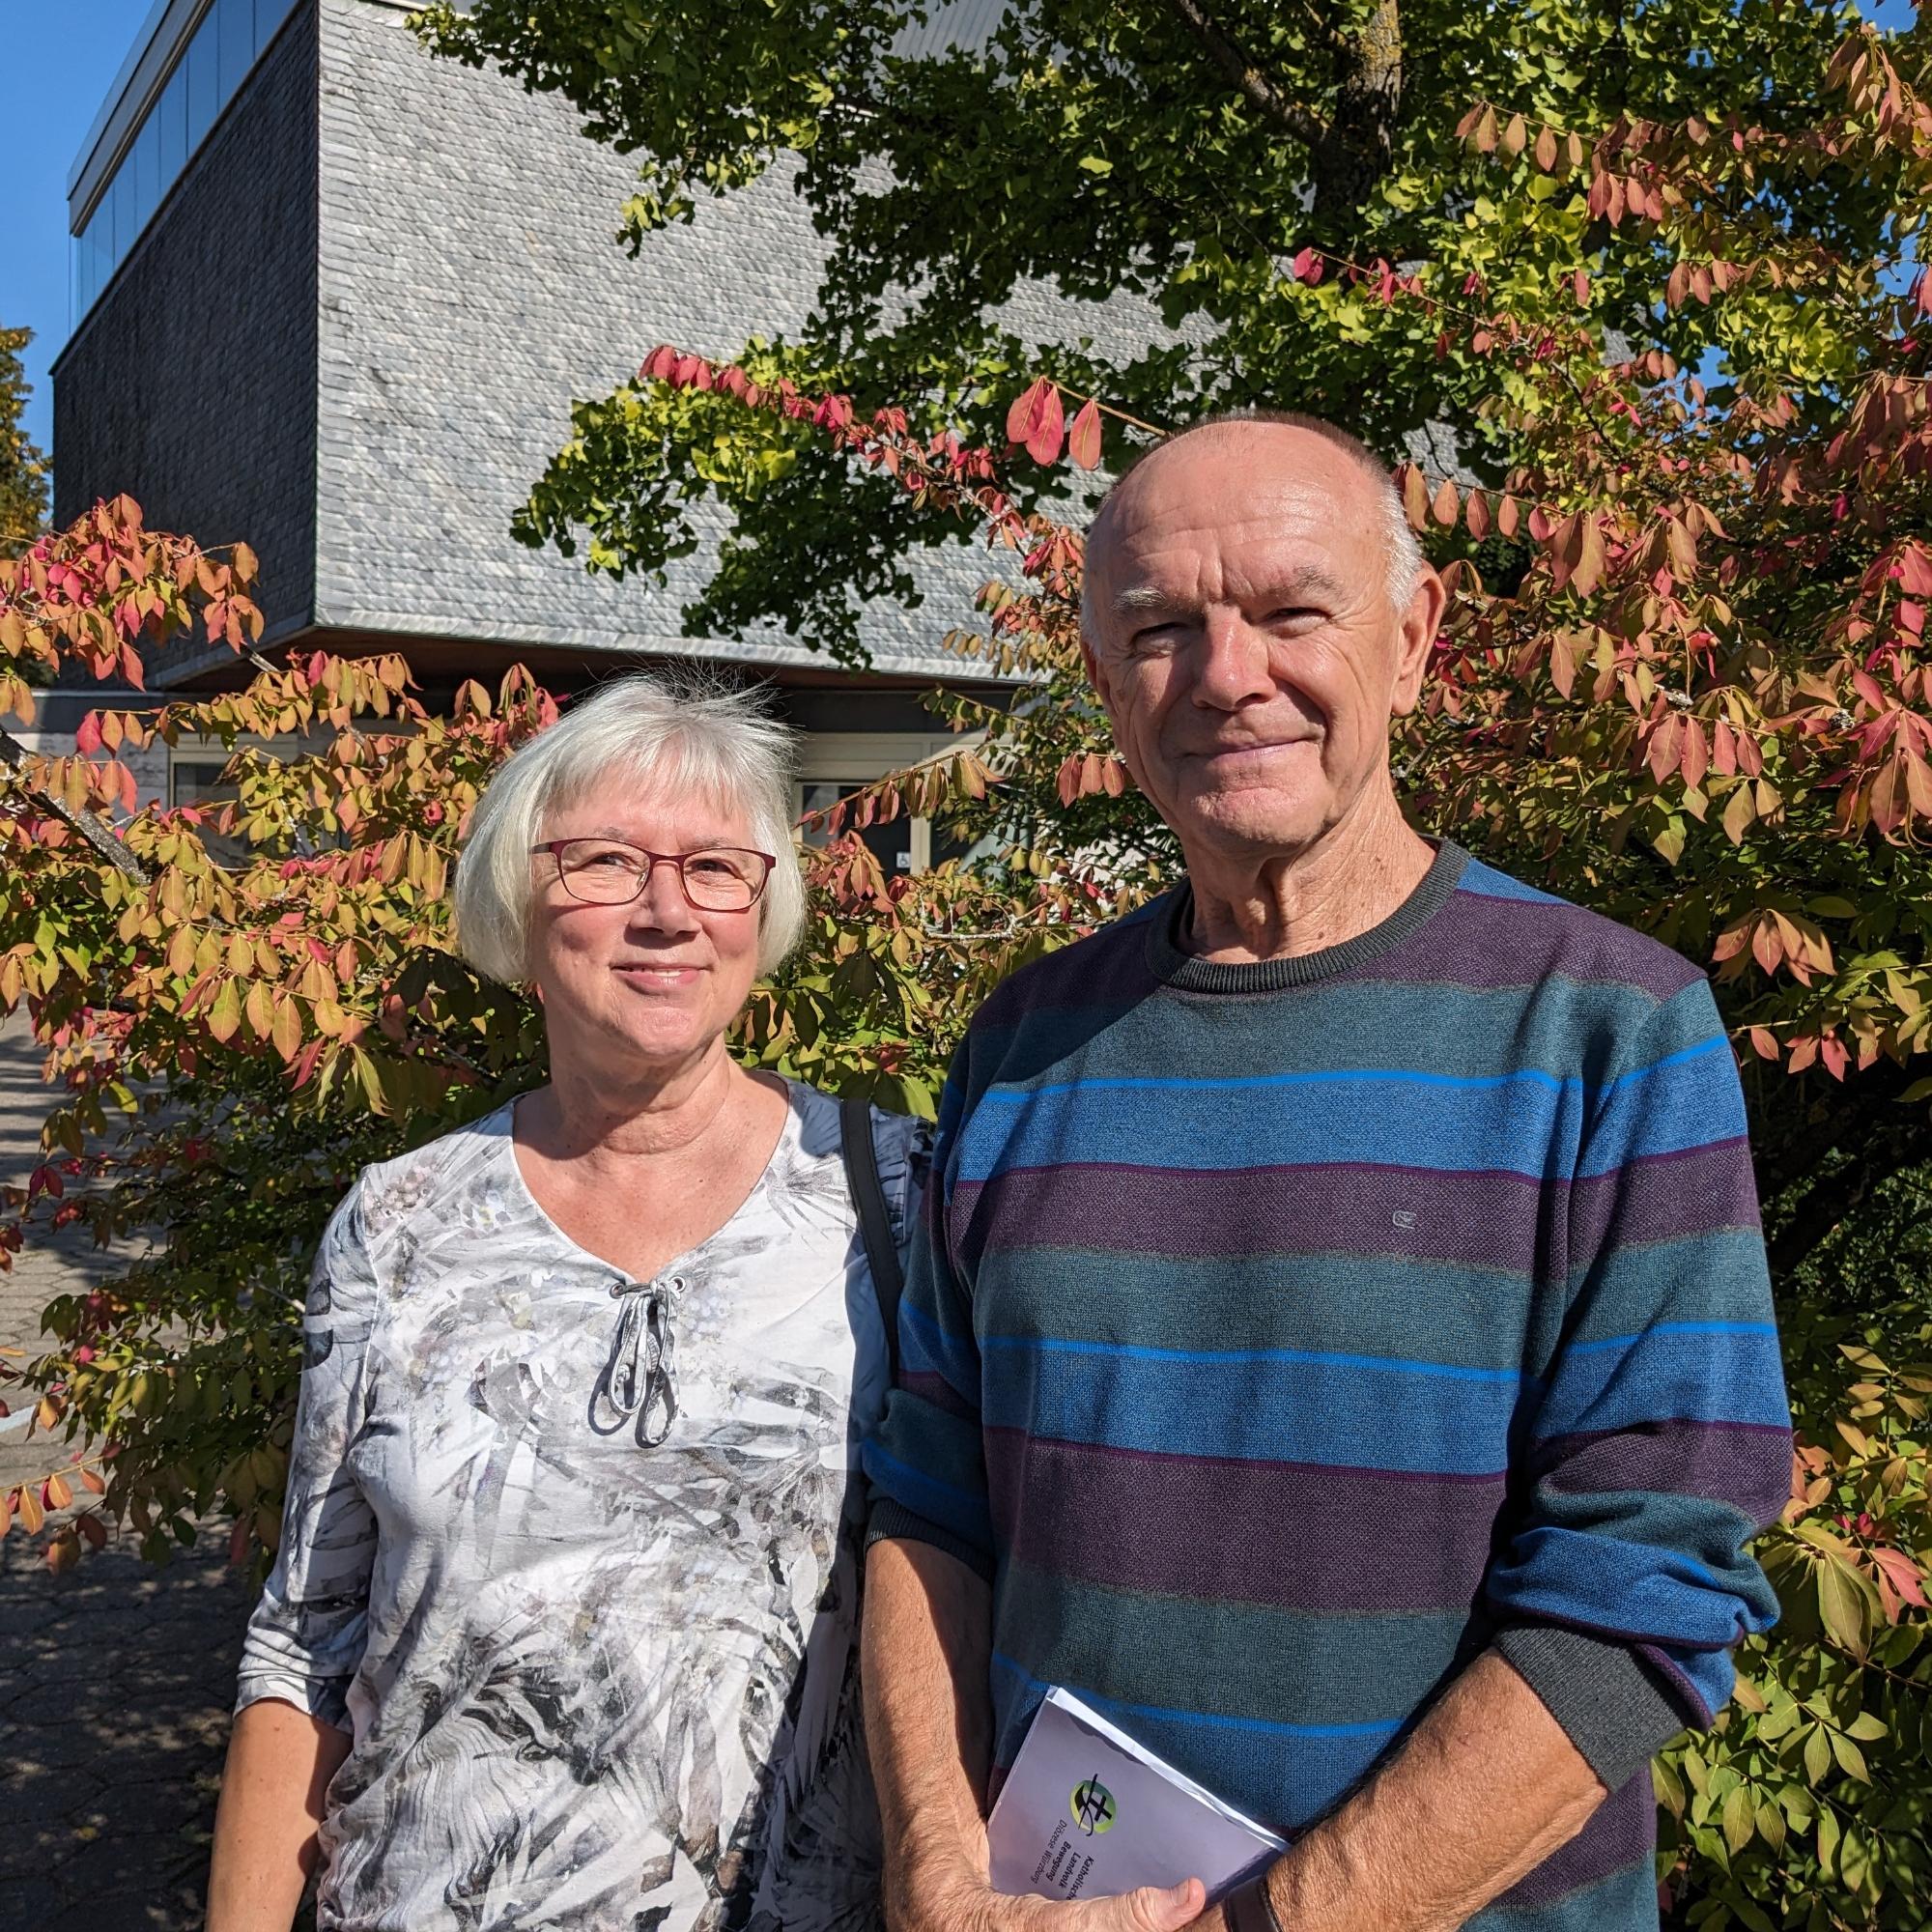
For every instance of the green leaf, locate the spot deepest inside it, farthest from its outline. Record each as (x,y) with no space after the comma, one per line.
(1739,1818)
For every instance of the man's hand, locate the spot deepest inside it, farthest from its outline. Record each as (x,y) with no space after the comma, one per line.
(964,1901)
(927,1638)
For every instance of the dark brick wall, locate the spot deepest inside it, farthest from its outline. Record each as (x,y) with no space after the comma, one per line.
(192,384)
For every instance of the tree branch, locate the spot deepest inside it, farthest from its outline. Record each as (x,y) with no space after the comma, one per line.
(93,828)
(1255,86)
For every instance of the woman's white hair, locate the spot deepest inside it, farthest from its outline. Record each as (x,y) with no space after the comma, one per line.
(677,734)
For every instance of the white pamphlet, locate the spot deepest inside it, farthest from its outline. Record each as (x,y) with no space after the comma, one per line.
(1086,1812)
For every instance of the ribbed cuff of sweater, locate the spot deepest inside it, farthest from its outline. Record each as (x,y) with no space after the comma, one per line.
(1610,1704)
(894,1520)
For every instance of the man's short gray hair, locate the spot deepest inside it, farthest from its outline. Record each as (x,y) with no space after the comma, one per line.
(1405,561)
(681,735)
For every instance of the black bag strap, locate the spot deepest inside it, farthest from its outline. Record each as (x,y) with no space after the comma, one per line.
(875,1223)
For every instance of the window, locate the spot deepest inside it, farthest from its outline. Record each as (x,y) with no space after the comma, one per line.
(170,114)
(147,173)
(120,207)
(268,18)
(202,66)
(835,764)
(236,20)
(198,781)
(892,845)
(206,72)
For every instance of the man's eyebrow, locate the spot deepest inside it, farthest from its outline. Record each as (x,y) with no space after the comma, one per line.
(1137,598)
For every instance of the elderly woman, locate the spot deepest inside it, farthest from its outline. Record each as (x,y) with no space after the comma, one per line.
(562,1628)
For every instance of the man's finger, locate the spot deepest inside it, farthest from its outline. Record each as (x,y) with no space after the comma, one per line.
(1151,1908)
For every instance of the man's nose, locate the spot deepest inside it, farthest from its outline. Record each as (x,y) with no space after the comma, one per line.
(1231,662)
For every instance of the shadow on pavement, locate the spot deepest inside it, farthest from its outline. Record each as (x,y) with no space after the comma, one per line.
(115,1680)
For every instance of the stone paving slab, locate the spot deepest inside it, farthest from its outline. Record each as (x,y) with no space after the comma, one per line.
(116,1678)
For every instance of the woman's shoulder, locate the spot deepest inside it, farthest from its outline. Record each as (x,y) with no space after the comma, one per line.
(421,1182)
(901,1145)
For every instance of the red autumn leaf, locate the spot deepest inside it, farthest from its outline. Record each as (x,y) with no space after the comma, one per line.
(1697,754)
(1025,410)
(1447,506)
(1083,440)
(1476,513)
(92,1529)
(1914,568)
(1579,284)
(1902,1574)
(1923,294)
(87,740)
(1048,431)
(1306,267)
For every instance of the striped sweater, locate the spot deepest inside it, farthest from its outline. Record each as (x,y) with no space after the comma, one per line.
(1282,1336)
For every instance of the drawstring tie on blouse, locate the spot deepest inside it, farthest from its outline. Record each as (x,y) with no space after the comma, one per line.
(641,1378)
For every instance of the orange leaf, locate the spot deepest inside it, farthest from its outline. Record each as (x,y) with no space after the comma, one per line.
(1476,513)
(1415,497)
(1083,440)
(1447,506)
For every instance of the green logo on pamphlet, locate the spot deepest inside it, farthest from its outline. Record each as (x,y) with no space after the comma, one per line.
(1094,1806)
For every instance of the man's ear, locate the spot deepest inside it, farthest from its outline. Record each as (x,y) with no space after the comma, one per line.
(1096,676)
(1420,626)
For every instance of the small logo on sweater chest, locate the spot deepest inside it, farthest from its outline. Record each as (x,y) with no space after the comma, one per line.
(1402,1218)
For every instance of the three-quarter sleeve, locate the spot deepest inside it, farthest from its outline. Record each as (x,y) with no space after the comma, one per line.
(926,1464)
(308,1631)
(1659,1439)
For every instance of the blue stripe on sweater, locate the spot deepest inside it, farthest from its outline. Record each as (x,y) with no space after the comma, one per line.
(1527,1123)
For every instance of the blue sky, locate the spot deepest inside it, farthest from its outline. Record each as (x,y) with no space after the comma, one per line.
(61,56)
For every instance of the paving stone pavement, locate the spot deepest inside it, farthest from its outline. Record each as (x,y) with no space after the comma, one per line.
(115,1680)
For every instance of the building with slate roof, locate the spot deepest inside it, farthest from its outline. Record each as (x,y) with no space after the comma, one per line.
(335,298)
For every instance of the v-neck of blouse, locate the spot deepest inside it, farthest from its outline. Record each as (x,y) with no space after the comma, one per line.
(504,1122)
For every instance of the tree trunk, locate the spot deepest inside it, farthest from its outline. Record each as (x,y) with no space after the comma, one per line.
(1359,145)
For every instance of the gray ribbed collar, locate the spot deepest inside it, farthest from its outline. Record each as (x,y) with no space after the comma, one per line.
(1173,964)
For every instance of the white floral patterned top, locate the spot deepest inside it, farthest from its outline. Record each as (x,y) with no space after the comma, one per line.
(593,1680)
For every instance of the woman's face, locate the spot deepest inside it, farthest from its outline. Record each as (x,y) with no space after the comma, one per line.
(649,985)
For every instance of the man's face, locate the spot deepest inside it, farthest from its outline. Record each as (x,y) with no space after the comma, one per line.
(1243,643)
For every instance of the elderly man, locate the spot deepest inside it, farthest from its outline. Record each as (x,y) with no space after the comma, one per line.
(1340,1346)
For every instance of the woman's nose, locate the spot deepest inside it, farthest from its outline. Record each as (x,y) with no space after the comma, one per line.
(662,904)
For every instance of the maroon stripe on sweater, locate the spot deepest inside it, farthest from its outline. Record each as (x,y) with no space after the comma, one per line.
(1220,1529)
(1495,945)
(1744,1463)
(1491,1220)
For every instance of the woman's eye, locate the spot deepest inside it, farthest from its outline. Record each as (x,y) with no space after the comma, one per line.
(710,865)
